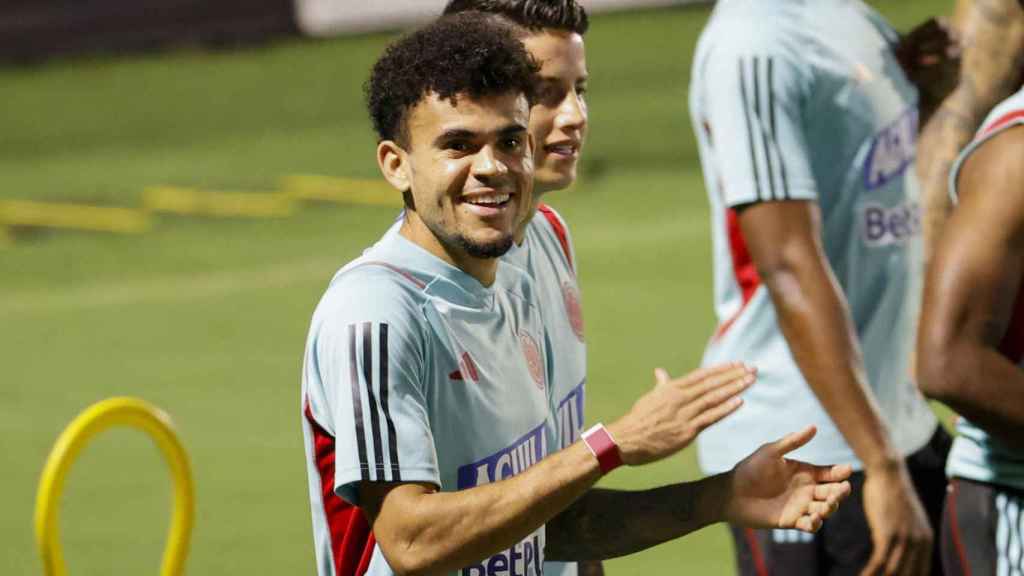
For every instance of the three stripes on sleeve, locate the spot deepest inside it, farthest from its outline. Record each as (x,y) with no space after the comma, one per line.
(374,426)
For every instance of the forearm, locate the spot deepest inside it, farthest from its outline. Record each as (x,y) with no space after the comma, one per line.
(443,531)
(609,523)
(816,324)
(984,386)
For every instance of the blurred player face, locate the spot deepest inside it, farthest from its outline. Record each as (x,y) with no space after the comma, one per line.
(558,119)
(470,172)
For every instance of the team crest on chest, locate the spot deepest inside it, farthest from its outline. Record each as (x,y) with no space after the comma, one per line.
(573,310)
(531,352)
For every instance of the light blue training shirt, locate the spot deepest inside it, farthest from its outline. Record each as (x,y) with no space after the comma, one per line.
(804,100)
(421,374)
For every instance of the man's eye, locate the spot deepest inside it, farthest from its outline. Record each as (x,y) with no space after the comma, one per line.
(458,146)
(581,90)
(513,143)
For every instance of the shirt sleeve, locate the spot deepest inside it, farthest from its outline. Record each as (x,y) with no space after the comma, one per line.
(754,87)
(369,353)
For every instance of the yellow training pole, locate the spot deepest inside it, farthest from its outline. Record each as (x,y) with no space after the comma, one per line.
(111,412)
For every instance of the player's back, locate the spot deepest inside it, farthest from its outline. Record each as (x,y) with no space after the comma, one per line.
(804,100)
(975,454)
(415,372)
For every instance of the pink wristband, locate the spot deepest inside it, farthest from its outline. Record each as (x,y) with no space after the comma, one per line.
(604,448)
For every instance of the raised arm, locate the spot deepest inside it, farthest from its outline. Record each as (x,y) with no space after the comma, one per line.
(992,32)
(968,342)
(784,242)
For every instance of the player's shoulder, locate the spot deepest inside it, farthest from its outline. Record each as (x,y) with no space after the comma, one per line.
(775,27)
(1008,112)
(549,230)
(375,287)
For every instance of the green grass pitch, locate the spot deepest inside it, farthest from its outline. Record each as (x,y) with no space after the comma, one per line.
(207,318)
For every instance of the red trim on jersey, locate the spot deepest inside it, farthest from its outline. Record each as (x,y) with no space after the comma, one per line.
(1001,122)
(419,284)
(755,552)
(559,227)
(742,266)
(352,542)
(954,529)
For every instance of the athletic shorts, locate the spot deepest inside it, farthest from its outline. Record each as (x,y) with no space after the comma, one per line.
(843,544)
(982,530)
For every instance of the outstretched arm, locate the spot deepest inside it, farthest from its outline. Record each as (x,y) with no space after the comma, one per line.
(992,32)
(785,242)
(765,490)
(423,531)
(973,287)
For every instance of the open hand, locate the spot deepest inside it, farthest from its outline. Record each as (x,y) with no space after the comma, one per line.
(668,418)
(772,491)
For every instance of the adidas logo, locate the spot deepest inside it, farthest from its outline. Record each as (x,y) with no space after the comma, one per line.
(467,368)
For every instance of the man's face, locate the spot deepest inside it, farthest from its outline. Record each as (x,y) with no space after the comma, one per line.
(470,171)
(558,119)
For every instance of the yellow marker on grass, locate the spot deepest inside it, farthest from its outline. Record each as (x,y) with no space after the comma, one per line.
(133,413)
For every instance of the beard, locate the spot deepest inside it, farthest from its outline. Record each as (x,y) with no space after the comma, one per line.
(495,249)
(458,242)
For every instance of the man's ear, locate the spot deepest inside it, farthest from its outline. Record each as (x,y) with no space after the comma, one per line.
(394,165)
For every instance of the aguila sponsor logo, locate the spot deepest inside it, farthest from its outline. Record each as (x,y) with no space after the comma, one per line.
(525,558)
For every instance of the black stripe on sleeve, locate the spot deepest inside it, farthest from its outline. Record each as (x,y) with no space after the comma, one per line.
(774,134)
(396,475)
(750,131)
(765,150)
(357,403)
(378,451)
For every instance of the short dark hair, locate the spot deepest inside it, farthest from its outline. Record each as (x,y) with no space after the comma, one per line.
(532,14)
(470,53)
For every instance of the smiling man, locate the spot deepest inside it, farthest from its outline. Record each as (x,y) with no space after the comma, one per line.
(426,380)
(552,32)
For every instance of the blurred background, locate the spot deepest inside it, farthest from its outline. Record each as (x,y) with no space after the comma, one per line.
(179,179)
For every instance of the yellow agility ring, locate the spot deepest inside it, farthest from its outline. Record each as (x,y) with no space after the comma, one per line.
(133,413)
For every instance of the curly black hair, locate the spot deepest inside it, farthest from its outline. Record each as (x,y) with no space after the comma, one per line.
(469,53)
(531,14)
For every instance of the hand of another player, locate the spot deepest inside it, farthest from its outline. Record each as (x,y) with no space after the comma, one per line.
(769,490)
(930,56)
(667,419)
(900,532)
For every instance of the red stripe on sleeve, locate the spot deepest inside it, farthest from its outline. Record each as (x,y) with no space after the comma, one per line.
(742,266)
(352,542)
(556,224)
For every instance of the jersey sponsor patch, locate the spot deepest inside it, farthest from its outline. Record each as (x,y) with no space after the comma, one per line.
(504,463)
(570,416)
(892,151)
(526,557)
(881,226)
(532,354)
(522,559)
